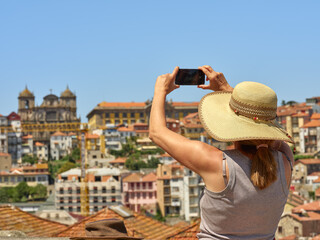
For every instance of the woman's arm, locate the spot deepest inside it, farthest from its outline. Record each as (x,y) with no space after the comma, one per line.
(195,155)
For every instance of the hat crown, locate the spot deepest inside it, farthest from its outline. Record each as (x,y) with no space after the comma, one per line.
(255,94)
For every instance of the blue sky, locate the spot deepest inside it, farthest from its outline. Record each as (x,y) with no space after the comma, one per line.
(114,50)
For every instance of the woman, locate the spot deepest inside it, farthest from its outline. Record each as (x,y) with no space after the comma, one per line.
(246,188)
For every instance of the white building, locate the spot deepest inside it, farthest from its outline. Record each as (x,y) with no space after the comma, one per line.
(60,145)
(191,194)
(112,137)
(103,184)
(125,133)
(41,151)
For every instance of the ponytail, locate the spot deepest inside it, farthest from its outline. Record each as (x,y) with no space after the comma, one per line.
(264,166)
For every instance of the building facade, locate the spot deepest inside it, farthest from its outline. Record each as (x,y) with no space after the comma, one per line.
(140,192)
(103,184)
(129,113)
(32,175)
(54,113)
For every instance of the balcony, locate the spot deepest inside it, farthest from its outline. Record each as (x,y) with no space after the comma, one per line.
(313,132)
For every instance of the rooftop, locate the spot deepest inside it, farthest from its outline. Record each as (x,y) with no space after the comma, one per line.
(12,218)
(137,225)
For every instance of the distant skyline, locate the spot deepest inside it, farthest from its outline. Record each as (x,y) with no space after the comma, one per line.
(113,50)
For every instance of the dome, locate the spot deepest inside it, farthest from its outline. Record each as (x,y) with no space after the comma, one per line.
(67,93)
(26,93)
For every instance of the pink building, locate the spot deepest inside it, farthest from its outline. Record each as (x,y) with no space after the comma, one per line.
(140,192)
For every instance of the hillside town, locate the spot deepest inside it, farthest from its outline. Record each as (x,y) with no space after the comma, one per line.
(59,172)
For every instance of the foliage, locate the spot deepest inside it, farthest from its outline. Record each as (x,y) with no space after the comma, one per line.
(159,216)
(22,192)
(66,166)
(29,159)
(38,192)
(297,157)
(153,163)
(75,154)
(134,162)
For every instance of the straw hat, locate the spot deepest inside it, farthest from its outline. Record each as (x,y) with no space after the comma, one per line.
(249,112)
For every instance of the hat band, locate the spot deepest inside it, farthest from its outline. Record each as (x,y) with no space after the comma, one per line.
(251,111)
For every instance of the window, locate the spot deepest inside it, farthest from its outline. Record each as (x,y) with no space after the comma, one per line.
(78,209)
(70,209)
(150,195)
(78,190)
(95,199)
(104,189)
(70,190)
(113,189)
(113,199)
(150,185)
(296,230)
(70,199)
(61,190)
(132,115)
(116,115)
(104,199)
(279,230)
(95,189)
(144,195)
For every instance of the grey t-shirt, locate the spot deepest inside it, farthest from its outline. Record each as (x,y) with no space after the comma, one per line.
(241,210)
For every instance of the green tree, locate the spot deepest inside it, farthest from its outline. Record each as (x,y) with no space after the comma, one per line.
(5,195)
(22,190)
(29,159)
(75,154)
(153,163)
(66,166)
(38,192)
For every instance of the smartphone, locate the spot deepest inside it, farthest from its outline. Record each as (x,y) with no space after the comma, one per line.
(190,77)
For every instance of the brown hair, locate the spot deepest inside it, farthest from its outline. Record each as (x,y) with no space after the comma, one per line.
(264,167)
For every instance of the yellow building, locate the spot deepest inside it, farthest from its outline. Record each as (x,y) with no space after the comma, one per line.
(134,112)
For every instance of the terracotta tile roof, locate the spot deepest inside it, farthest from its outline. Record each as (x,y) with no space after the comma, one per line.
(58,133)
(308,161)
(187,233)
(313,206)
(92,136)
(27,137)
(165,155)
(300,115)
(72,134)
(295,200)
(39,144)
(151,177)
(125,129)
(137,225)
(193,125)
(119,160)
(121,104)
(313,123)
(318,236)
(291,237)
(142,131)
(12,218)
(315,116)
(133,177)
(192,115)
(185,104)
(317,192)
(2,154)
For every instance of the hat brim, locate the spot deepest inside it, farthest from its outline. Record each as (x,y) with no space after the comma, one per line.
(223,124)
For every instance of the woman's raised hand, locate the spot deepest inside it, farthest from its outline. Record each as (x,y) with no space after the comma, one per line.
(165,83)
(217,81)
